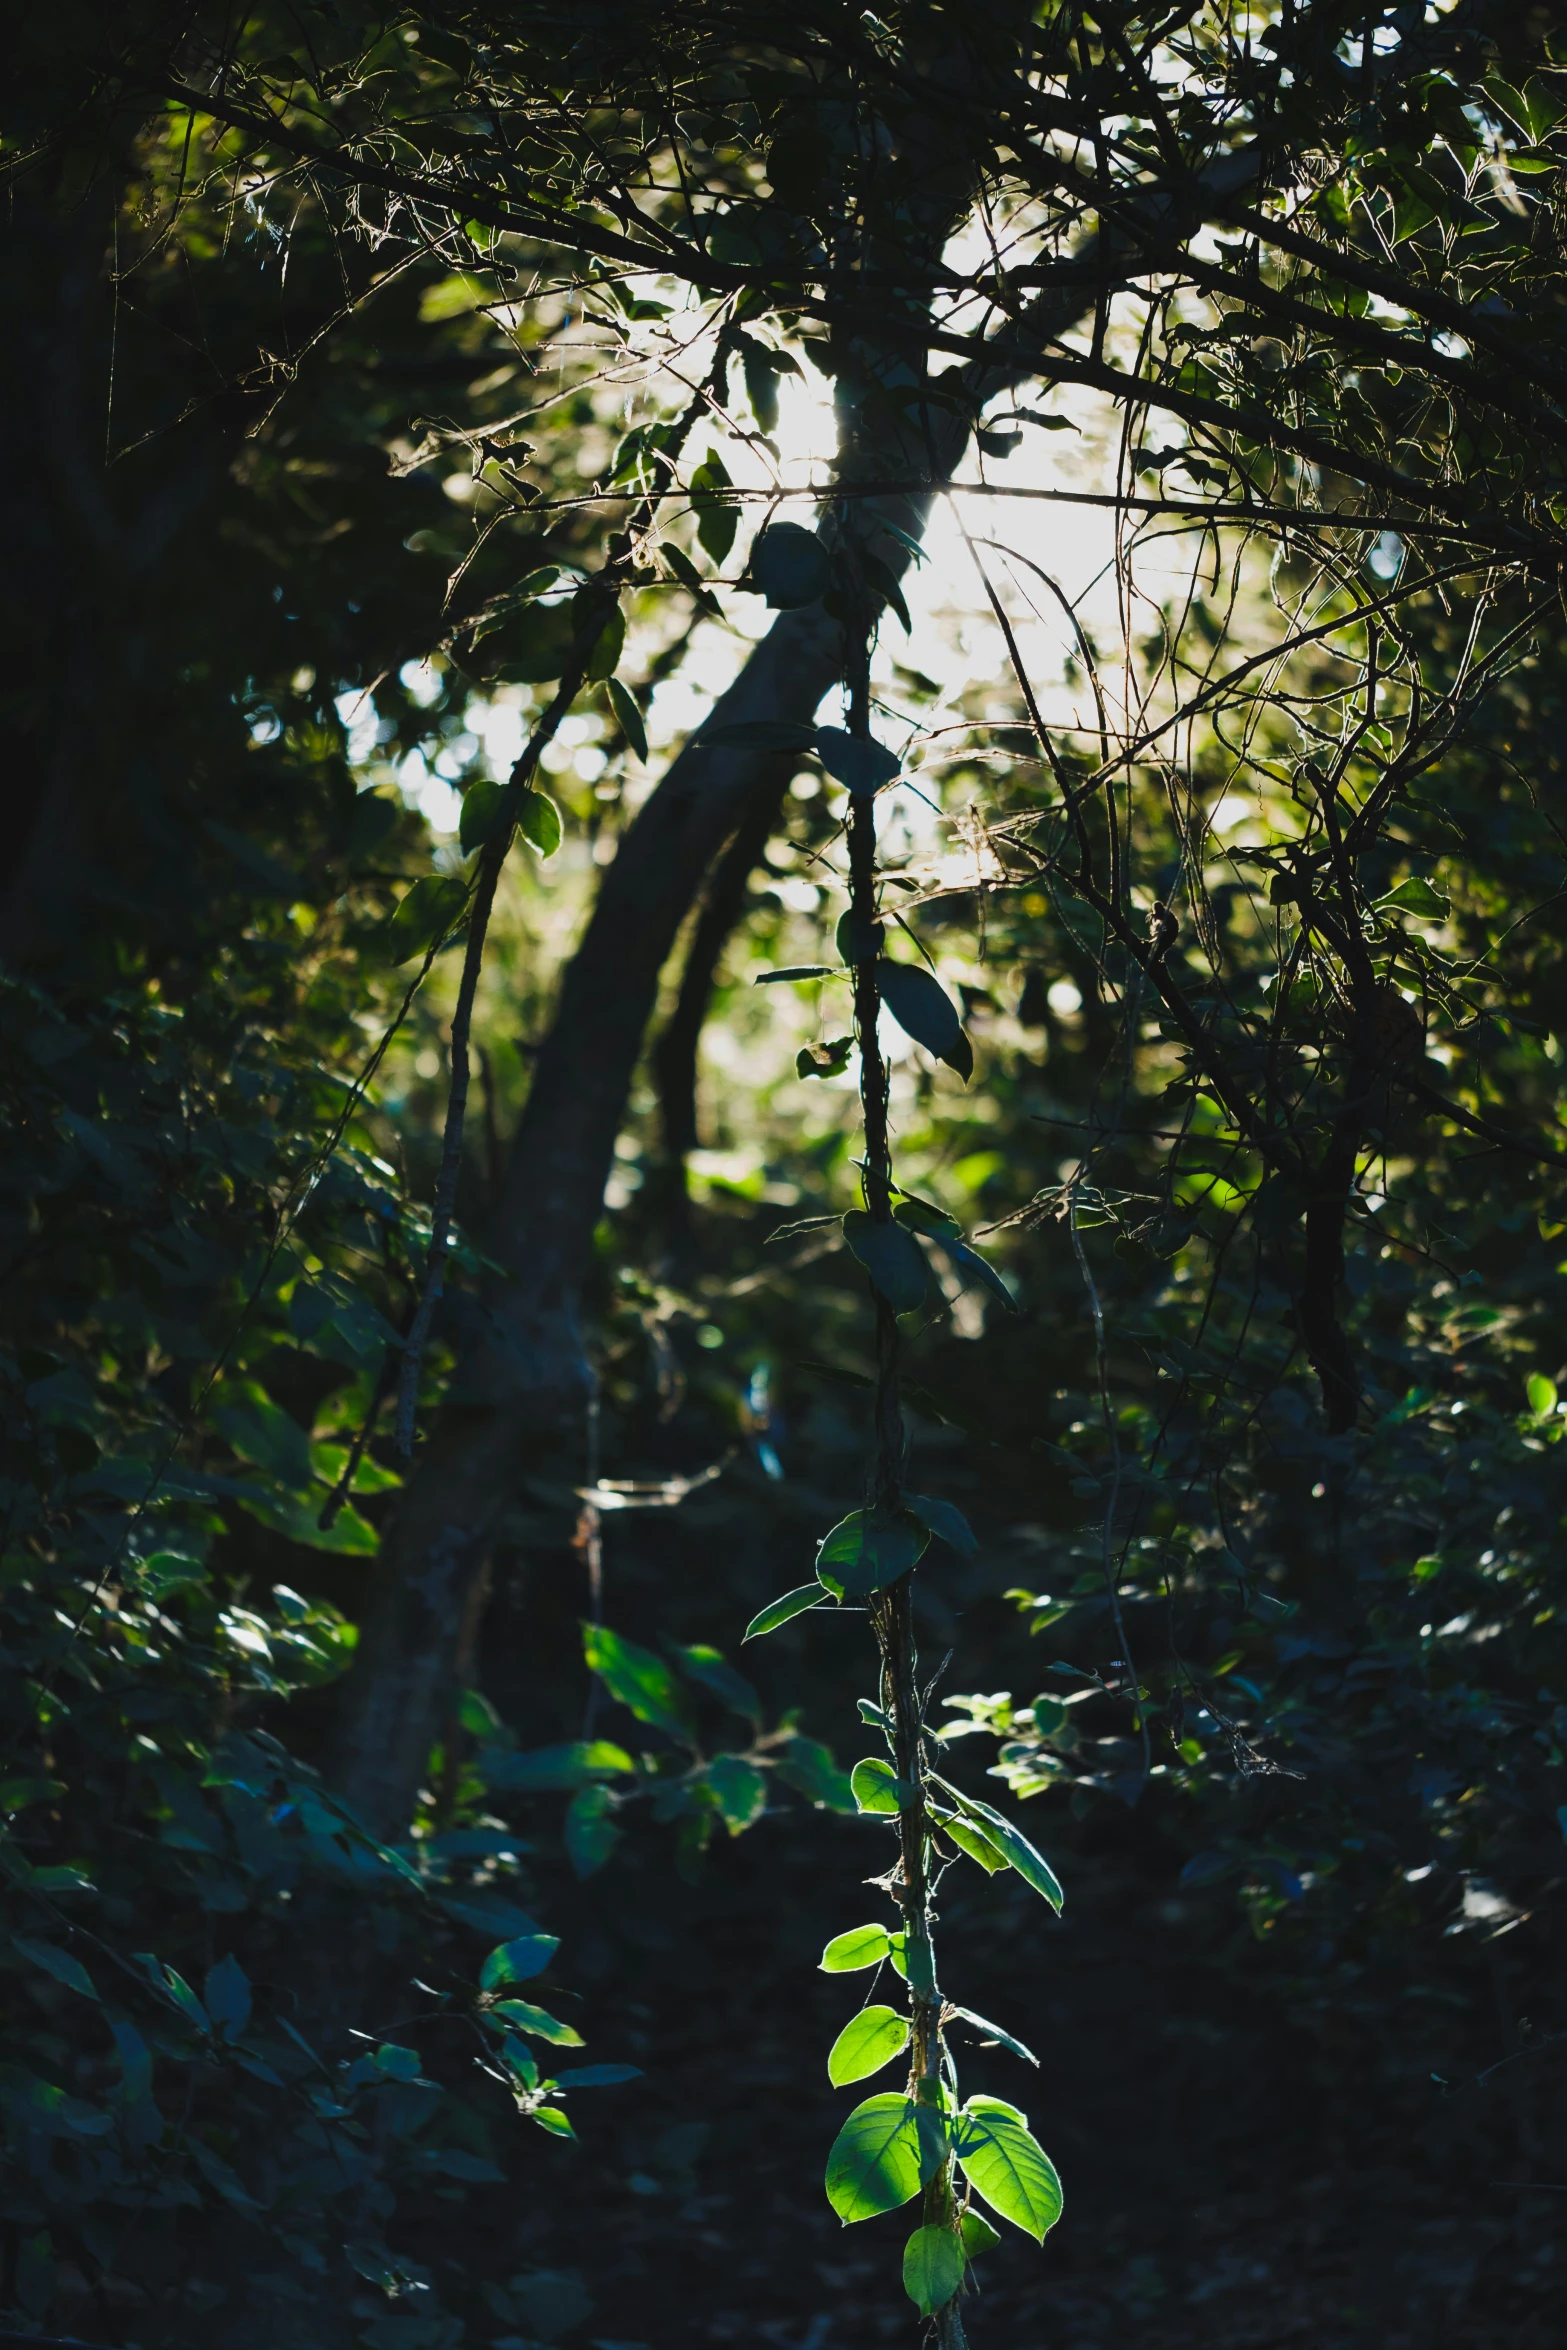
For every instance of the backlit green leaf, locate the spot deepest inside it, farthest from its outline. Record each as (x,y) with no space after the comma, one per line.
(591,1833)
(538,820)
(780,1611)
(1030,1865)
(1004,2162)
(877,2161)
(933,2265)
(638,1680)
(861,1946)
(868,2041)
(868,1550)
(789,566)
(875,1785)
(536,2021)
(741,1790)
(518,1961)
(480,807)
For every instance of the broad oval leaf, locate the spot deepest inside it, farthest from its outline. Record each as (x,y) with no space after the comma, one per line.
(1003,2161)
(876,2159)
(550,2117)
(945,1520)
(892,1257)
(857,937)
(861,1946)
(933,2265)
(517,1961)
(868,2041)
(780,1611)
(638,1680)
(538,820)
(857,761)
(424,913)
(978,2234)
(875,1785)
(808,1766)
(480,807)
(866,1551)
(924,1010)
(741,1790)
(789,566)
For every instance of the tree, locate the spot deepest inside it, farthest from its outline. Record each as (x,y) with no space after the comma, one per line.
(1362,381)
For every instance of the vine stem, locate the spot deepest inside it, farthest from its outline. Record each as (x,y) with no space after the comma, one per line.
(892,1611)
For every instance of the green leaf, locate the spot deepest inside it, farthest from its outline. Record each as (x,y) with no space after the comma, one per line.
(868,1550)
(857,937)
(638,1680)
(591,1833)
(709,1667)
(538,820)
(921,1215)
(717,520)
(861,1946)
(520,2017)
(480,807)
(945,1521)
(1415,896)
(597,2076)
(892,1257)
(1542,1395)
(398,2064)
(875,1785)
(933,2265)
(969,1260)
(518,1961)
(226,1997)
(789,566)
(629,718)
(59,1963)
(1031,1866)
(924,1010)
(550,2117)
(1004,2162)
(808,1766)
(868,2041)
(741,1790)
(968,1839)
(576,1765)
(994,2032)
(977,2233)
(857,761)
(877,2160)
(688,576)
(780,1611)
(174,1989)
(608,645)
(424,913)
(793,971)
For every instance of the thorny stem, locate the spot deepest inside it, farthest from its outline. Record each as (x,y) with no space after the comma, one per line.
(892,1611)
